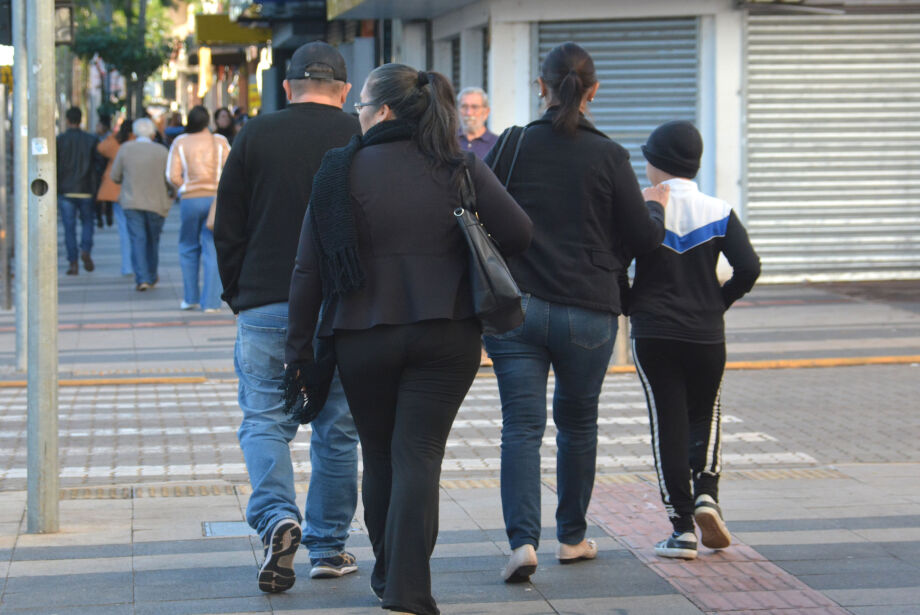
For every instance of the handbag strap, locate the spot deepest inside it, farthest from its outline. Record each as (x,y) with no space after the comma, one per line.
(515,135)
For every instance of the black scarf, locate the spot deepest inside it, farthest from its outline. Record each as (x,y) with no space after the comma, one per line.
(333,220)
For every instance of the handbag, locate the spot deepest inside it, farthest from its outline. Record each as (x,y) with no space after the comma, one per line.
(496,296)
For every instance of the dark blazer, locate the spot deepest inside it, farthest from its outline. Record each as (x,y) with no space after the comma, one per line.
(411,248)
(588,214)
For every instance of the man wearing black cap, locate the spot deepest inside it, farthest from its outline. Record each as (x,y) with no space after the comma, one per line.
(261,201)
(676,312)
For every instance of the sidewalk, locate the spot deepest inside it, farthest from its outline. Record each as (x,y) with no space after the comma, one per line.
(821,490)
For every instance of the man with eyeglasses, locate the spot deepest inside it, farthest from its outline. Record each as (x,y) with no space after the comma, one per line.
(261,201)
(473,104)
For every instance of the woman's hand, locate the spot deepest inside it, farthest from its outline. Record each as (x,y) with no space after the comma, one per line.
(658,193)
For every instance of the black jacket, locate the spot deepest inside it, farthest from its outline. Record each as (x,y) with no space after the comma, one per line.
(263,194)
(412,251)
(588,214)
(676,294)
(78,162)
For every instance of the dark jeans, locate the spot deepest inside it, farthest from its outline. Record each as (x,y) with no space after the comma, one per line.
(404,384)
(144,231)
(70,208)
(683,384)
(577,343)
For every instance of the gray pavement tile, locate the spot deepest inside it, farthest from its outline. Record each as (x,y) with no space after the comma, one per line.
(606,576)
(350,591)
(26,554)
(908,550)
(865,579)
(822,551)
(906,596)
(890,609)
(196,583)
(530,607)
(850,523)
(848,565)
(203,545)
(118,609)
(627,605)
(259,604)
(68,590)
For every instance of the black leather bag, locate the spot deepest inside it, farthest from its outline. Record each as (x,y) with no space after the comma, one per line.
(496,296)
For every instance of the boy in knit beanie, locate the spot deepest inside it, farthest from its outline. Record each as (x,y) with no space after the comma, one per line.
(676,314)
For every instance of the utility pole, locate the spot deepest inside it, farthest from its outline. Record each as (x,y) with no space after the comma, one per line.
(20,178)
(6,299)
(42,425)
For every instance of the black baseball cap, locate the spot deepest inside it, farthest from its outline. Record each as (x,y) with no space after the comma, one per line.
(332,64)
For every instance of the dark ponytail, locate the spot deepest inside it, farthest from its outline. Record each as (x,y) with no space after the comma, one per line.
(426,101)
(568,72)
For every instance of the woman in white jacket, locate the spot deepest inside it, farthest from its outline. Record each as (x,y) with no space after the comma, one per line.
(196,159)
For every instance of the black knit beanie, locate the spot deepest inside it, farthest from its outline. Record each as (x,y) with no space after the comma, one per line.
(675,148)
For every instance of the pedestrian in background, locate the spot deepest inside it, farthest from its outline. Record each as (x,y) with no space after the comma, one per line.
(676,312)
(380,241)
(140,168)
(78,166)
(262,198)
(196,159)
(103,207)
(224,124)
(110,192)
(473,104)
(580,191)
(173,128)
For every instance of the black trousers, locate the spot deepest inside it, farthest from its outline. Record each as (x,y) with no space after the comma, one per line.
(683,384)
(404,384)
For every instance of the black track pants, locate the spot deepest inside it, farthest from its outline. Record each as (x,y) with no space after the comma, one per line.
(683,382)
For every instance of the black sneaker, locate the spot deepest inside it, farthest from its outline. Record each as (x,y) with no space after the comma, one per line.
(682,546)
(335,566)
(708,517)
(277,571)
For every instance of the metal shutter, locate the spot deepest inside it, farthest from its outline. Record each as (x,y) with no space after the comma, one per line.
(647,70)
(833,145)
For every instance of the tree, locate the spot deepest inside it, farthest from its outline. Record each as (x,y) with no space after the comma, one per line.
(120,32)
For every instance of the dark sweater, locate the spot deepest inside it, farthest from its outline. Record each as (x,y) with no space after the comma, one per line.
(412,251)
(676,294)
(588,213)
(78,162)
(263,195)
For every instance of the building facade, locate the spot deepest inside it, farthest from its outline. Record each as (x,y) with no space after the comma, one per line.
(810,110)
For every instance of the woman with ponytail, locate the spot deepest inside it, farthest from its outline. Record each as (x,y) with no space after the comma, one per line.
(589,215)
(381,251)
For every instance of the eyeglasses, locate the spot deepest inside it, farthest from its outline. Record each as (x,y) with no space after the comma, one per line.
(361,105)
(471,107)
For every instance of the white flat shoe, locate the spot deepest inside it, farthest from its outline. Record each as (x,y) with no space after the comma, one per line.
(521,564)
(568,554)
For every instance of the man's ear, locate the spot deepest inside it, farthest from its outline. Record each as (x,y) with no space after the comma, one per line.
(287,89)
(344,94)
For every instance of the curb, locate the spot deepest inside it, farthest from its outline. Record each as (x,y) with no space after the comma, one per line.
(615,369)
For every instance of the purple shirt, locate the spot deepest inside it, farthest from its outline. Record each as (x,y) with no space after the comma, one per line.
(480,145)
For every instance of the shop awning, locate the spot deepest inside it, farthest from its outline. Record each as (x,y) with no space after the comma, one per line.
(219,30)
(391,9)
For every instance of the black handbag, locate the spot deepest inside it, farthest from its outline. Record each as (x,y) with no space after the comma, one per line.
(496,296)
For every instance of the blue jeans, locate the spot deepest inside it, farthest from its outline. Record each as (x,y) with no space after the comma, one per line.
(196,247)
(144,229)
(70,208)
(577,343)
(124,240)
(266,432)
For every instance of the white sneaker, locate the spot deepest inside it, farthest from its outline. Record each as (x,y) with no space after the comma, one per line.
(211,310)
(521,565)
(681,546)
(187,306)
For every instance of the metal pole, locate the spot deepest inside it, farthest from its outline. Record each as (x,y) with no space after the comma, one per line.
(42,426)
(21,178)
(6,294)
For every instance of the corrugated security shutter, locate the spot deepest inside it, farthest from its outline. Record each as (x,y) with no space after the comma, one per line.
(833,145)
(647,70)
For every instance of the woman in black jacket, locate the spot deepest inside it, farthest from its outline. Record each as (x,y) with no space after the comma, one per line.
(380,244)
(588,212)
